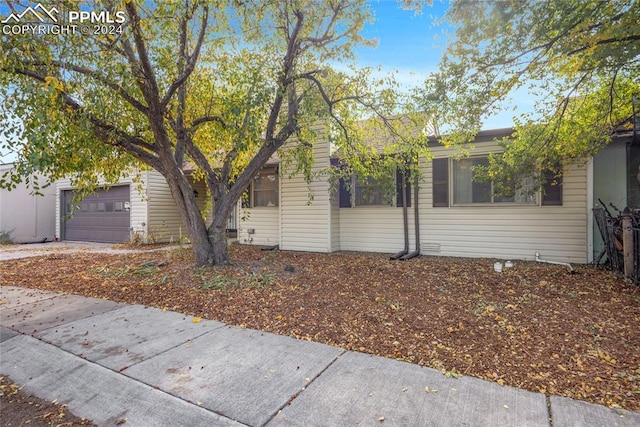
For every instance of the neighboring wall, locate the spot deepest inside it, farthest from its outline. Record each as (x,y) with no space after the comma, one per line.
(609,182)
(27,217)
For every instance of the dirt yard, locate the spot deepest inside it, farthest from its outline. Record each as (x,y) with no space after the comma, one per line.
(533,326)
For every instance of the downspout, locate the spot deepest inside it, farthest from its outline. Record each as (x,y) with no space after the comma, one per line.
(417,223)
(405,218)
(635,120)
(566,264)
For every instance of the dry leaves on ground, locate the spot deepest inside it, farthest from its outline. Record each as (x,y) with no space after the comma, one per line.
(23,409)
(534,326)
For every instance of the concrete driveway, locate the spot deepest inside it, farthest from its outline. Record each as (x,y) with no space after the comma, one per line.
(8,252)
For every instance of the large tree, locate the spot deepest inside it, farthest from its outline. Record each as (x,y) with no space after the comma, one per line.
(579,58)
(221,84)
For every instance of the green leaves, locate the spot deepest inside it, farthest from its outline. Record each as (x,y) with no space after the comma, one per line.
(579,58)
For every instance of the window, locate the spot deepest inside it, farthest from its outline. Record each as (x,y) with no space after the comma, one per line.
(371,193)
(368,193)
(265,188)
(552,191)
(466,191)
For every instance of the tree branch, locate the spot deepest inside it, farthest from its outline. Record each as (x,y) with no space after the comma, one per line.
(94,74)
(150,85)
(135,146)
(207,119)
(191,60)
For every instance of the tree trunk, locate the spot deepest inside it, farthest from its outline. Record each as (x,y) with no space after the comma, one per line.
(183,196)
(218,240)
(222,208)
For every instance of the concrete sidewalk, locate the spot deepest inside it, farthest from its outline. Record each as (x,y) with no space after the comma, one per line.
(130,365)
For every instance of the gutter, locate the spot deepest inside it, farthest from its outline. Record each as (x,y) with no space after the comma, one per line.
(566,264)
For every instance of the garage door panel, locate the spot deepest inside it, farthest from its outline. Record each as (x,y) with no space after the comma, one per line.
(101,216)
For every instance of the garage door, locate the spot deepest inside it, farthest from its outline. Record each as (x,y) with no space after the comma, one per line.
(99,217)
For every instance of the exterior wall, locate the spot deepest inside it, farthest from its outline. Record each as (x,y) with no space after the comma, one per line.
(509,232)
(334,211)
(27,217)
(137,197)
(153,212)
(164,220)
(374,229)
(265,223)
(305,224)
(493,231)
(504,231)
(298,223)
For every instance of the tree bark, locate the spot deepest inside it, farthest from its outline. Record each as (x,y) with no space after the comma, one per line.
(182,193)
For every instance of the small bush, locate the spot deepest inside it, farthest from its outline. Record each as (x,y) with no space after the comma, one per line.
(5,237)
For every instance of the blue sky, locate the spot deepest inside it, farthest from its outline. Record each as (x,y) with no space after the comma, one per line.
(414,44)
(411,44)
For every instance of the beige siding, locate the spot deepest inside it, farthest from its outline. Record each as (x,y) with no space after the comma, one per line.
(164,221)
(374,229)
(509,232)
(265,223)
(305,223)
(153,213)
(300,222)
(335,226)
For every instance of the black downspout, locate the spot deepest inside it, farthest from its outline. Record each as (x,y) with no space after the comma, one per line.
(417,224)
(635,121)
(405,217)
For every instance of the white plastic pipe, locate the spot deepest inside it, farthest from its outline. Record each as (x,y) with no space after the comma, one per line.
(566,264)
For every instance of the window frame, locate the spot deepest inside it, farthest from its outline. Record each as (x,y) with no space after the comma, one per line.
(445,166)
(376,191)
(348,198)
(265,171)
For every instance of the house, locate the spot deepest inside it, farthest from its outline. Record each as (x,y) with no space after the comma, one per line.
(24,216)
(138,208)
(458,217)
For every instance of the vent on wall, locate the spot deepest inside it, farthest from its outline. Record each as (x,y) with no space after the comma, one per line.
(431,247)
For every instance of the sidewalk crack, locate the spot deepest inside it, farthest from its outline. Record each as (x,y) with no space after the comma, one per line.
(296,395)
